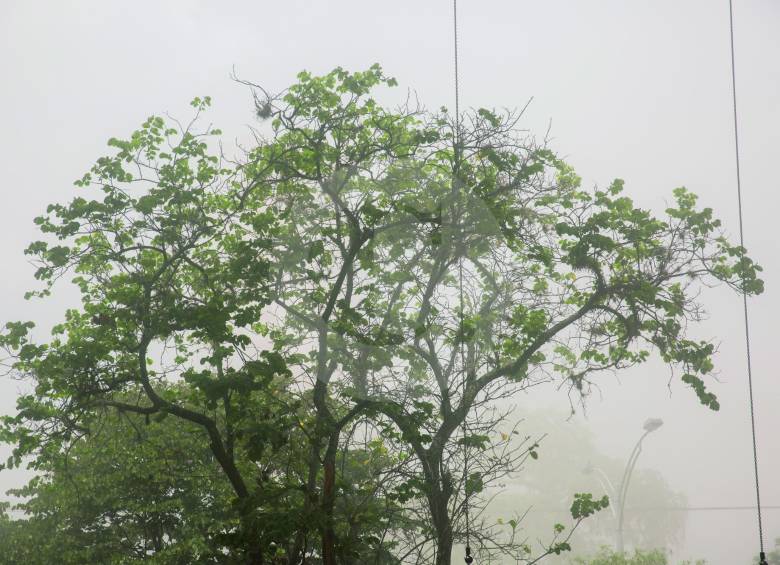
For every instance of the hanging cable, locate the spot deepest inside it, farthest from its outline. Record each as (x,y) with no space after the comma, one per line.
(457,84)
(468,557)
(762,554)
(456,180)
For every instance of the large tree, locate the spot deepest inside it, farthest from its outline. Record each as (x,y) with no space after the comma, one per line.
(403,269)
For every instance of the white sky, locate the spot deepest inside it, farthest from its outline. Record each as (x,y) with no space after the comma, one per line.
(637,89)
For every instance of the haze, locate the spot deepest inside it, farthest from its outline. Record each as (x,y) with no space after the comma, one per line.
(638,90)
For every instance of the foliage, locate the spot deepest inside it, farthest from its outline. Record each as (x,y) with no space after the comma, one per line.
(609,557)
(150,490)
(132,491)
(359,268)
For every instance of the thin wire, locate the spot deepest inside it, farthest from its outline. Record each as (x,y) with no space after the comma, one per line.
(456,180)
(635,509)
(465,427)
(744,292)
(457,83)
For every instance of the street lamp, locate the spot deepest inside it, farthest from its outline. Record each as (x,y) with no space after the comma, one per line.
(619,495)
(649,426)
(605,483)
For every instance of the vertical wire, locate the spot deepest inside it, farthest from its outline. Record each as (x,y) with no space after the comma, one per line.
(456,180)
(744,291)
(457,83)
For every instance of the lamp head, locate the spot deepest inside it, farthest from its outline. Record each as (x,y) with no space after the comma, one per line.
(588,469)
(653,424)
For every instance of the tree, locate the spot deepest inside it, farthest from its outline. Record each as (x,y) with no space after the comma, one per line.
(130,491)
(404,277)
(137,489)
(571,462)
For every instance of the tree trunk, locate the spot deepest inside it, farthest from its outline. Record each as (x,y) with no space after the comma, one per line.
(255,556)
(444,543)
(310,505)
(328,501)
(444,549)
(254,553)
(299,548)
(442,523)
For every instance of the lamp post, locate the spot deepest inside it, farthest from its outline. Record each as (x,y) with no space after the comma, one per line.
(605,483)
(650,426)
(619,495)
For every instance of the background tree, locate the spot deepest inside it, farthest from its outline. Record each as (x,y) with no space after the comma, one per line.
(131,491)
(570,461)
(608,557)
(137,489)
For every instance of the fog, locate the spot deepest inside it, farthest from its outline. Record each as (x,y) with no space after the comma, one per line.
(638,90)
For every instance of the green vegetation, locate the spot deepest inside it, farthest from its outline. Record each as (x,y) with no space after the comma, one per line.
(323,325)
(571,462)
(609,557)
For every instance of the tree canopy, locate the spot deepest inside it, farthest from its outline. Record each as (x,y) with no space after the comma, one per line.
(355,288)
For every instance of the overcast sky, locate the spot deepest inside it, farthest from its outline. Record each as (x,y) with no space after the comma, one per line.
(637,89)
